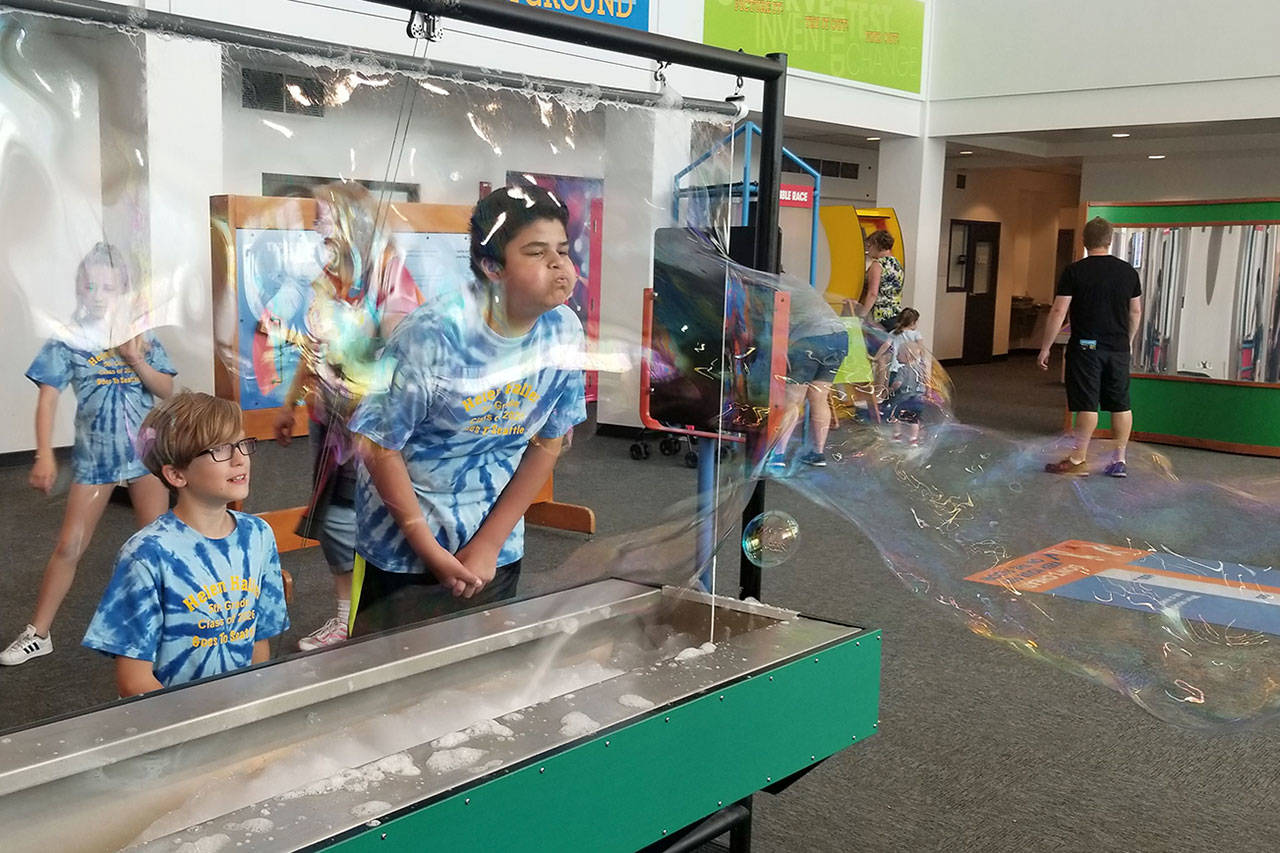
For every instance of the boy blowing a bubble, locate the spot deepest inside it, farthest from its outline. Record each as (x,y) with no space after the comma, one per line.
(485,385)
(198,592)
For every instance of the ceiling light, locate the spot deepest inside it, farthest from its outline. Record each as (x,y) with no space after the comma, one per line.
(1155,156)
(1119,136)
(965,153)
(873,139)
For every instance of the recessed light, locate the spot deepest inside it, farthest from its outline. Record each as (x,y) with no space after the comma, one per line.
(965,153)
(873,139)
(1119,136)
(1155,156)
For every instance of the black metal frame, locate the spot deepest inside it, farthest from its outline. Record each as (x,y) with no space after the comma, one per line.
(113,14)
(771,69)
(503,14)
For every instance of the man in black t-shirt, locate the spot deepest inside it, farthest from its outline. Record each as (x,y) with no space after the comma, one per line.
(1104,298)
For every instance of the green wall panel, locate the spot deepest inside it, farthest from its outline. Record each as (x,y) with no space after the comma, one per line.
(1234,414)
(1187,214)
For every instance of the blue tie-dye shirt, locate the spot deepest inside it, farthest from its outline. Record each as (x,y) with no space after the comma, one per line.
(462,404)
(111,401)
(192,605)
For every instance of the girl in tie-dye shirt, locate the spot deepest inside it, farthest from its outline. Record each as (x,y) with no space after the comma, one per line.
(115,387)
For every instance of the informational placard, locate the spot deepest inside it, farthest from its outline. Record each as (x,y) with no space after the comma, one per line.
(439,263)
(879,42)
(1197,589)
(625,13)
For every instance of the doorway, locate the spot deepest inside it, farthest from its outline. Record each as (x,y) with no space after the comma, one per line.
(975,250)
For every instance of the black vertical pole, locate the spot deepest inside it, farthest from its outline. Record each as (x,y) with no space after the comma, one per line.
(768,249)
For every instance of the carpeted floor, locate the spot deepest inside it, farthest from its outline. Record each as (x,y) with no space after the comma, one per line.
(978,748)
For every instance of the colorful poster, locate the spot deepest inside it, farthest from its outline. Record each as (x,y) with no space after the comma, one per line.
(1202,590)
(625,13)
(879,42)
(274,276)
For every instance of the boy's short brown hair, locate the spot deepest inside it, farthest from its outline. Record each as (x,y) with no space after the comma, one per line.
(178,429)
(1097,233)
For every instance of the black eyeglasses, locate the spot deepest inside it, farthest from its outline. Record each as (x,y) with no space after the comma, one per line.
(222,452)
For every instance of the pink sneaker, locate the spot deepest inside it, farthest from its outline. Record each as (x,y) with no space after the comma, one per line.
(330,633)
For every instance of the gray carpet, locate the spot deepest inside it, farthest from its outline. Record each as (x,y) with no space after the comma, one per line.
(978,748)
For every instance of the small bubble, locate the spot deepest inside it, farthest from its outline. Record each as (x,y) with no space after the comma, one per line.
(770,538)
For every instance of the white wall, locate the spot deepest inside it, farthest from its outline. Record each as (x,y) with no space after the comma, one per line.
(1029,206)
(1182,176)
(369,25)
(50,206)
(184,156)
(1012,65)
(1001,47)
(443,155)
(910,181)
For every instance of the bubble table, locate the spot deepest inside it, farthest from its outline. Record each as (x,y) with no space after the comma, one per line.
(611,716)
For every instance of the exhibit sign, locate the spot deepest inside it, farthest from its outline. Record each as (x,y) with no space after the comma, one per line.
(879,42)
(795,195)
(1201,590)
(625,13)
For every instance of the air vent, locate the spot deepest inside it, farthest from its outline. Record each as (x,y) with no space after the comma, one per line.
(281,93)
(826,168)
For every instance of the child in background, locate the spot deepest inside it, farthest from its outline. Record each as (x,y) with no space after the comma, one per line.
(198,592)
(486,384)
(904,332)
(906,391)
(114,388)
(360,296)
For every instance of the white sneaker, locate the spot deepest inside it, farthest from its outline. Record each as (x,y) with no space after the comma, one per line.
(330,633)
(28,645)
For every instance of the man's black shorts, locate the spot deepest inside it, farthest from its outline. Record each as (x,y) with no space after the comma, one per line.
(1097,379)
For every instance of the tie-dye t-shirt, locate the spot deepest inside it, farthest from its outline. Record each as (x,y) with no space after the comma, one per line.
(192,605)
(462,404)
(111,401)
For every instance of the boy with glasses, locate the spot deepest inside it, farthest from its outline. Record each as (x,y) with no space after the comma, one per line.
(199,591)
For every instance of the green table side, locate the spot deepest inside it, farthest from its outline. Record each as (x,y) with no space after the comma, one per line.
(625,788)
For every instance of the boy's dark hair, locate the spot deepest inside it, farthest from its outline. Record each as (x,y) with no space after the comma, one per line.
(1097,233)
(881,240)
(501,214)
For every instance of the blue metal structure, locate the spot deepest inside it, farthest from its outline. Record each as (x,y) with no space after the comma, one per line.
(709,457)
(747,190)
